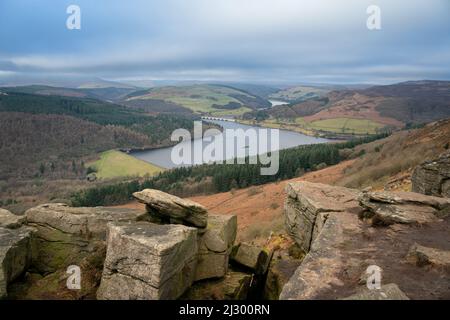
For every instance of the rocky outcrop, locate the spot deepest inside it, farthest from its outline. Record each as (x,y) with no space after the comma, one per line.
(373,229)
(387,292)
(121,253)
(252,257)
(424,256)
(308,204)
(433,177)
(320,268)
(10,220)
(280,271)
(215,246)
(15,255)
(66,235)
(234,286)
(146,261)
(166,208)
(404,207)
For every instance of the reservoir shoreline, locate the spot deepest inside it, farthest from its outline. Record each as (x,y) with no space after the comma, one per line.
(162,156)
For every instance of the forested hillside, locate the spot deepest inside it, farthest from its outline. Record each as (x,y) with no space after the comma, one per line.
(42,133)
(53,145)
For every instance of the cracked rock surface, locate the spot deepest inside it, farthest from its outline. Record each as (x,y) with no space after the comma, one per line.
(146,261)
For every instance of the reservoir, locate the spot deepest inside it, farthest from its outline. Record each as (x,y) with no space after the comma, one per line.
(276,103)
(287,139)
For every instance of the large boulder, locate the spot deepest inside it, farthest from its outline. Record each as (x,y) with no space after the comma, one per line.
(308,204)
(66,235)
(10,220)
(404,207)
(214,247)
(15,255)
(321,266)
(346,245)
(254,258)
(146,261)
(433,177)
(167,208)
(234,286)
(387,292)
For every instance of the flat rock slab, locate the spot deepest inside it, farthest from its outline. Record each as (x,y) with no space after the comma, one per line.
(404,207)
(255,258)
(10,220)
(234,286)
(423,256)
(146,261)
(345,243)
(215,245)
(15,255)
(66,235)
(387,292)
(173,209)
(91,222)
(307,201)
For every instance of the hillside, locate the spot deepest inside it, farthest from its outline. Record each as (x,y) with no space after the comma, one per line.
(116,164)
(48,127)
(299,93)
(386,164)
(352,111)
(157,128)
(101,93)
(217,100)
(35,145)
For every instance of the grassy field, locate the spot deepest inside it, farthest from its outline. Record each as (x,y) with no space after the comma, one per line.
(338,125)
(273,124)
(346,125)
(113,164)
(198,98)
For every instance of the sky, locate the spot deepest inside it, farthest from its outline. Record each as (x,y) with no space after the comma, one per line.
(259,41)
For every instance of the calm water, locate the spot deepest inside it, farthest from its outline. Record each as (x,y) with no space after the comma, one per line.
(288,139)
(278,103)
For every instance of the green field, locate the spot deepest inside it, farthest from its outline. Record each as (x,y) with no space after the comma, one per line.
(343,125)
(199,98)
(113,164)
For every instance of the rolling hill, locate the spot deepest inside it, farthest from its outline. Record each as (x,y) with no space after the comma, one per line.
(299,93)
(52,130)
(101,93)
(217,100)
(365,111)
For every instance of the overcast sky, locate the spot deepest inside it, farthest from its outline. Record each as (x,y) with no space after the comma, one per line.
(323,41)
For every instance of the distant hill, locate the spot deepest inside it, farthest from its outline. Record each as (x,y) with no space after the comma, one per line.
(216,100)
(255,89)
(49,144)
(413,101)
(84,127)
(102,93)
(300,93)
(344,111)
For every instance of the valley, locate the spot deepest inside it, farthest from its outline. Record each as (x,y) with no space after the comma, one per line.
(83,131)
(86,155)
